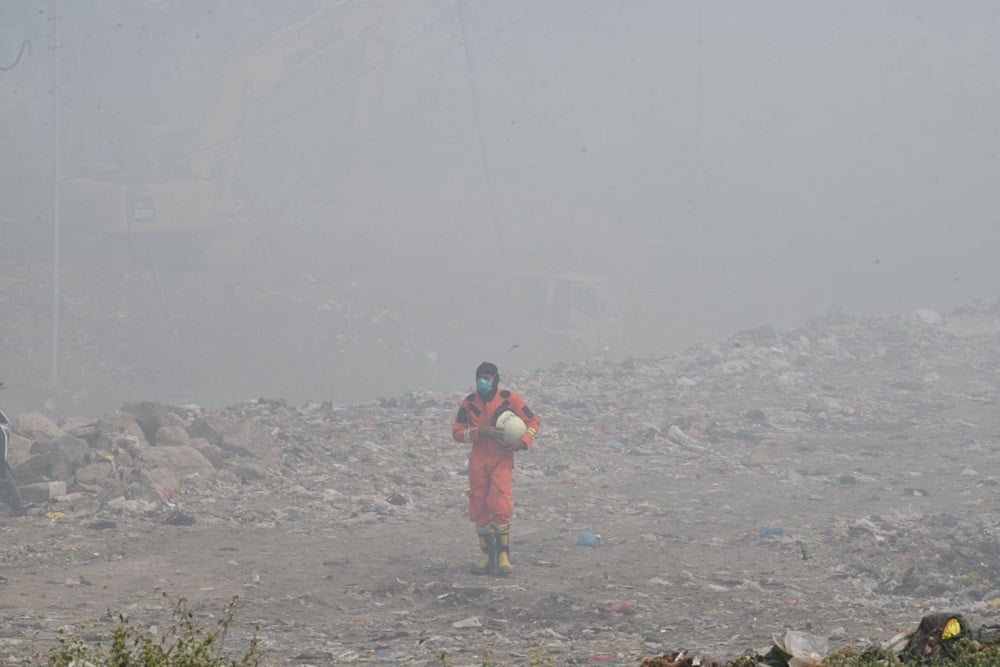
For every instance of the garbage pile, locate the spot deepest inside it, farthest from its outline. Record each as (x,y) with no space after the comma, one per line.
(825,486)
(939,638)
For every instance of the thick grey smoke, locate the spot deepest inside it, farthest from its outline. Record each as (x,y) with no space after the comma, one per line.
(407,182)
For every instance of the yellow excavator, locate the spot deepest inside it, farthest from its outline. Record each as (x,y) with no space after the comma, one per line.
(189,186)
(575,315)
(582,313)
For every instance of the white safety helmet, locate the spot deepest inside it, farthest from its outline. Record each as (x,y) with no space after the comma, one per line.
(513,427)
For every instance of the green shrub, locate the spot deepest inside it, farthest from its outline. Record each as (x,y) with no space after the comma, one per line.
(185,644)
(966,653)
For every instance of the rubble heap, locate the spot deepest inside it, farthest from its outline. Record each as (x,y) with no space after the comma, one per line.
(840,479)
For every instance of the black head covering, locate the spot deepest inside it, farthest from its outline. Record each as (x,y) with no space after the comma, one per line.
(489,369)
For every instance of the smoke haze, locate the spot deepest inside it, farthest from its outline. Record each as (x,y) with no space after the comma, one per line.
(401,182)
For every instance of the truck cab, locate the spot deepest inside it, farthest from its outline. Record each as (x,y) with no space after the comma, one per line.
(581,315)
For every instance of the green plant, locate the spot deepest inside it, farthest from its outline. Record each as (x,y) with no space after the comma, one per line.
(967,653)
(185,644)
(540,658)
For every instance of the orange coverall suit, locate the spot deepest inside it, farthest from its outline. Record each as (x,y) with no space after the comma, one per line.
(491,465)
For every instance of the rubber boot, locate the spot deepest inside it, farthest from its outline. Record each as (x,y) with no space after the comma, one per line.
(504,566)
(488,563)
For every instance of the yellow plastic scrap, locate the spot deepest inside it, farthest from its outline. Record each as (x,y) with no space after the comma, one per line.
(951,629)
(55,515)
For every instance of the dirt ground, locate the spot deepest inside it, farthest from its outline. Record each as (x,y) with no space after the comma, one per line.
(841,479)
(847,501)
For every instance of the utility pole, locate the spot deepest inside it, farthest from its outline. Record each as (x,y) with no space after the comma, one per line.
(54,30)
(477,113)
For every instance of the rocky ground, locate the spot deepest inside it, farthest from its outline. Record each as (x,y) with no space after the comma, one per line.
(842,480)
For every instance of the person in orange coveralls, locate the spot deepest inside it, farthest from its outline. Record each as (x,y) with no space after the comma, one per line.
(491,464)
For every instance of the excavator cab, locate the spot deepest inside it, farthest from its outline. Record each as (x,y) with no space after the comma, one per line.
(180,186)
(581,315)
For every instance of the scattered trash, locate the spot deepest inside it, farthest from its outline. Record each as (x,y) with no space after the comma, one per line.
(179,519)
(800,648)
(313,655)
(689,659)
(816,422)
(936,638)
(619,608)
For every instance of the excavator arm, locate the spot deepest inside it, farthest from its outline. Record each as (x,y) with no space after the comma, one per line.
(312,39)
(201,197)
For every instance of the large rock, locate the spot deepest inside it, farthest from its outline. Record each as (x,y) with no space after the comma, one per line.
(37,426)
(149,415)
(172,435)
(134,445)
(17,449)
(40,492)
(174,419)
(201,428)
(35,468)
(63,454)
(161,480)
(211,452)
(181,459)
(94,473)
(121,422)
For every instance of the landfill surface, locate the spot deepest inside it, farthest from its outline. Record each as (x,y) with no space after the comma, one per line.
(839,480)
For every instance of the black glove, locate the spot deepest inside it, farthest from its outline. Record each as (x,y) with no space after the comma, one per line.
(491,432)
(518,446)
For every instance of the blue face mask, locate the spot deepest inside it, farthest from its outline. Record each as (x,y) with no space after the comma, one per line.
(484,385)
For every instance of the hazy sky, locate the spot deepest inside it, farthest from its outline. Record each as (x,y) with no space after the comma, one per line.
(733,164)
(724,165)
